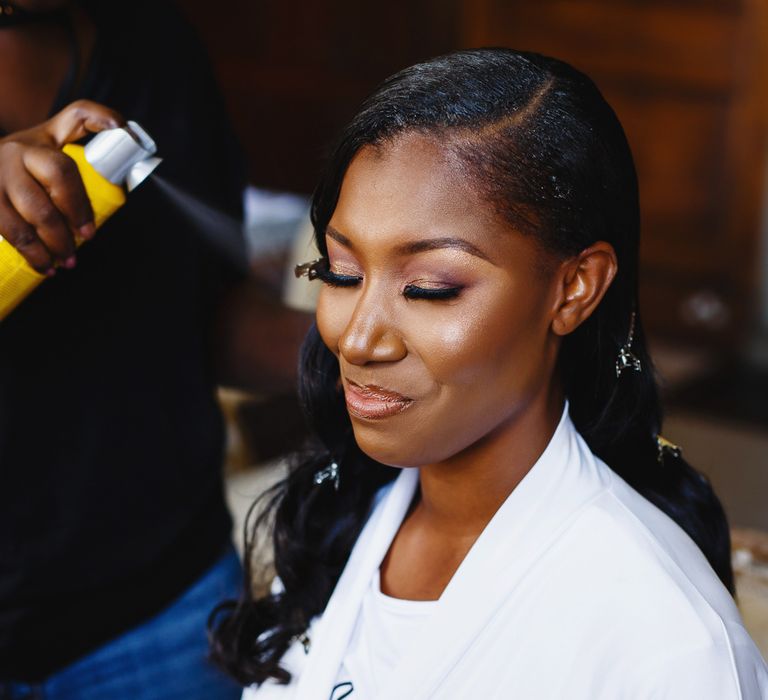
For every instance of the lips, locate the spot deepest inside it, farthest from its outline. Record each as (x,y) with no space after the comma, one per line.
(372,402)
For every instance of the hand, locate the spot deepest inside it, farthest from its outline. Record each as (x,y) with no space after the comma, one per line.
(43,203)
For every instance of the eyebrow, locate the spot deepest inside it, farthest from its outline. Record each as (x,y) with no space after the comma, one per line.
(419,246)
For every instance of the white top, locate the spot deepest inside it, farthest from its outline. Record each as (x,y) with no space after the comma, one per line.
(578,588)
(376,645)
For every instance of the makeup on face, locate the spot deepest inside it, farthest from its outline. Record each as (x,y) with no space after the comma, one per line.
(436,309)
(371,402)
(422,277)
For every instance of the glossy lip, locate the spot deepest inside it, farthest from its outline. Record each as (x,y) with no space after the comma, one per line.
(373,402)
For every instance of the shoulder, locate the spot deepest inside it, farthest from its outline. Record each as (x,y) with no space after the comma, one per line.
(620,586)
(706,672)
(642,538)
(632,547)
(642,581)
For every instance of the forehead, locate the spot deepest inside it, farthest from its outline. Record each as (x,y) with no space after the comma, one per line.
(414,167)
(411,186)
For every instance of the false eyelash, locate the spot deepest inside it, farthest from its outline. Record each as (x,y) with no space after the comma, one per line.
(411,291)
(322,271)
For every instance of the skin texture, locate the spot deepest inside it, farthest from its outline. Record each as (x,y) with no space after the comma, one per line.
(478,370)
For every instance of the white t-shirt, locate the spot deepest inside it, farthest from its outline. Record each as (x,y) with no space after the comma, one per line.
(376,644)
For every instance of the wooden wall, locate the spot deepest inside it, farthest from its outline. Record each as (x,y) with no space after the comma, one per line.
(688,81)
(687,78)
(294,73)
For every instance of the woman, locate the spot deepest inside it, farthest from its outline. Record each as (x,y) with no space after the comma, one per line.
(478,330)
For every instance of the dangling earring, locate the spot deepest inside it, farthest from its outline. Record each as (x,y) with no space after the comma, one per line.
(626,359)
(665,447)
(329,473)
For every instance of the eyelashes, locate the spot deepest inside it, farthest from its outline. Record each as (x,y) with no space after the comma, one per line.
(322,271)
(411,291)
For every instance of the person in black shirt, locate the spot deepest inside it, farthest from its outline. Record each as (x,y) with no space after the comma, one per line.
(111,440)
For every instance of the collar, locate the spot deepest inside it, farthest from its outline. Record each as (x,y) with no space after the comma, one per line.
(558,484)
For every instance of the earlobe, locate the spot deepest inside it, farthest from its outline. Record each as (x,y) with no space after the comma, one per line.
(584,280)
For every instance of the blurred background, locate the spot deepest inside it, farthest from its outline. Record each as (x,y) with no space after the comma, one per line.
(688,81)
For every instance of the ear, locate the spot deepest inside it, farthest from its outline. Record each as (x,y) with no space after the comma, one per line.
(583,282)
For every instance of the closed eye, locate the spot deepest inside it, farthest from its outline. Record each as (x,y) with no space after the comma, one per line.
(412,291)
(323,272)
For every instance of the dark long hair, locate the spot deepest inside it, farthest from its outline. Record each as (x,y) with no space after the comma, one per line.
(542,146)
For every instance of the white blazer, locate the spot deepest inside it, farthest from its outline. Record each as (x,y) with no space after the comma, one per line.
(577,589)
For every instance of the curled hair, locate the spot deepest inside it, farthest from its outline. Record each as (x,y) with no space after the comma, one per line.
(540,144)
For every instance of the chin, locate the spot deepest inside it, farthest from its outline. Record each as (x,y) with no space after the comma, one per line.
(389,457)
(393,451)
(383,448)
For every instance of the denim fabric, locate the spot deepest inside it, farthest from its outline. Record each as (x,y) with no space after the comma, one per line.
(163,659)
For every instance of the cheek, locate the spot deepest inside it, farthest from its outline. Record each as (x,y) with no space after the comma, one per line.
(450,348)
(494,340)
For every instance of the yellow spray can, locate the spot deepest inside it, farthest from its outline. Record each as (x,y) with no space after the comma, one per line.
(112,163)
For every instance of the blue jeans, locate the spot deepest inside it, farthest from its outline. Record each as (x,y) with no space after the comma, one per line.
(164,658)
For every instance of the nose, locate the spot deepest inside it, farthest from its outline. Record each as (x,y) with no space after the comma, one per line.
(371,335)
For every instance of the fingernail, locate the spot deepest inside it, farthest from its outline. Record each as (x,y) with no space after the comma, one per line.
(70,262)
(86,231)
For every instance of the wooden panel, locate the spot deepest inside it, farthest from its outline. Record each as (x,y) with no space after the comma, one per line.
(294,73)
(687,81)
(683,184)
(691,46)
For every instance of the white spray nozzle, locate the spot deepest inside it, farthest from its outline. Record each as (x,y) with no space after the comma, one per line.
(139,172)
(114,153)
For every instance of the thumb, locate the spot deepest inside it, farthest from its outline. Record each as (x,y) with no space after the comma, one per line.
(81,118)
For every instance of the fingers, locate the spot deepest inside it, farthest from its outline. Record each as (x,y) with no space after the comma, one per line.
(42,198)
(42,236)
(58,175)
(23,237)
(81,118)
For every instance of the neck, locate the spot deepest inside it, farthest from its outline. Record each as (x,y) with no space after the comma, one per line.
(461,495)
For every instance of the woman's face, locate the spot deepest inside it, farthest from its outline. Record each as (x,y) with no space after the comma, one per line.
(438,311)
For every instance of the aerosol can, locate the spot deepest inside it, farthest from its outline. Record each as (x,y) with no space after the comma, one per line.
(111,164)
